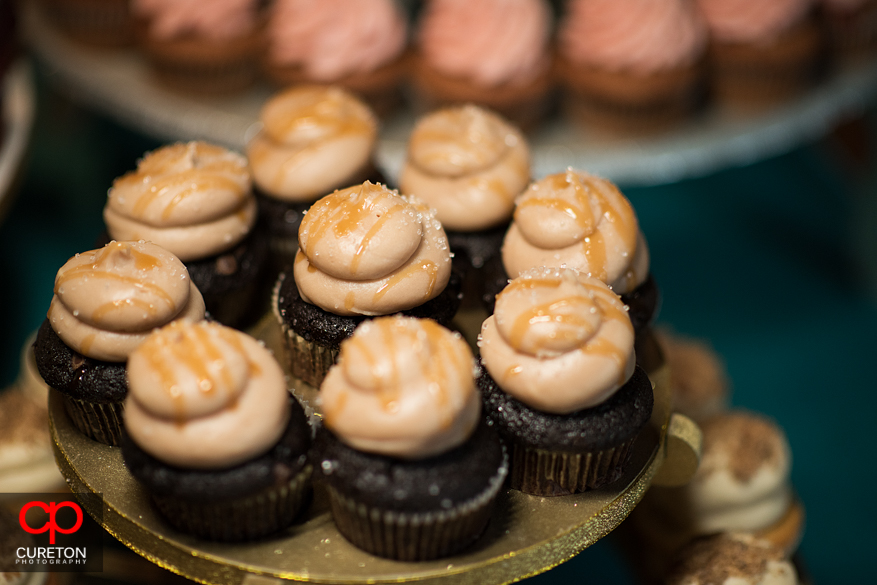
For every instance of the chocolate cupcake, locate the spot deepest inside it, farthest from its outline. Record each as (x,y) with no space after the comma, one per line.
(195,200)
(468,164)
(580,221)
(365,251)
(411,468)
(106,302)
(213,434)
(313,140)
(559,381)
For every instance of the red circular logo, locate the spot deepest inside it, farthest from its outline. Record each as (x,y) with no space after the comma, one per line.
(51,524)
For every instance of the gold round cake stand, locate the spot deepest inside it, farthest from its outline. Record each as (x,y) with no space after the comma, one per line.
(527,534)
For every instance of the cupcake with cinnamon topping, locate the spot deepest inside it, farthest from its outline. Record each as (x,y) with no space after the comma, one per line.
(560,381)
(213,434)
(365,251)
(468,164)
(742,484)
(411,467)
(106,302)
(494,53)
(577,220)
(356,45)
(314,139)
(195,200)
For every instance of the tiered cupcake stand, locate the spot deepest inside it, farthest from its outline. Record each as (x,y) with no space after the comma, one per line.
(526,536)
(118,83)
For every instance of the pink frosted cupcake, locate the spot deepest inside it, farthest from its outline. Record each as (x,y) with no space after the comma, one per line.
(358,45)
(631,64)
(490,52)
(851,26)
(762,51)
(200,46)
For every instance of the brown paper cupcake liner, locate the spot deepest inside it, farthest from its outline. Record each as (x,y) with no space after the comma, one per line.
(307,361)
(555,473)
(270,510)
(100,23)
(201,66)
(416,536)
(101,422)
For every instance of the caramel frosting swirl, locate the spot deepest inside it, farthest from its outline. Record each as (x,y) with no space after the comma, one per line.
(366,250)
(107,301)
(558,341)
(402,387)
(193,199)
(205,396)
(468,164)
(313,139)
(580,221)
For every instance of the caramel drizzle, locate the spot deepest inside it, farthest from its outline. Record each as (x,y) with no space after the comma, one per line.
(345,216)
(612,310)
(548,312)
(195,349)
(414,268)
(86,343)
(329,113)
(191,182)
(434,365)
(142,261)
(595,345)
(594,245)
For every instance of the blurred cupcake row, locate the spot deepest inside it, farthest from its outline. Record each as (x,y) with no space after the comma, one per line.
(629,64)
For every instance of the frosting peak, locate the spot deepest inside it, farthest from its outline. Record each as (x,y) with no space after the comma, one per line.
(580,221)
(744,21)
(331,39)
(642,36)
(402,387)
(468,164)
(314,139)
(192,199)
(366,250)
(492,42)
(204,396)
(106,301)
(218,19)
(559,341)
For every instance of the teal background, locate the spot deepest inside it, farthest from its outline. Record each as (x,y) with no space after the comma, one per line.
(773,263)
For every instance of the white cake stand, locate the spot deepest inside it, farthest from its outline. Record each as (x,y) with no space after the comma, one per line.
(118,83)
